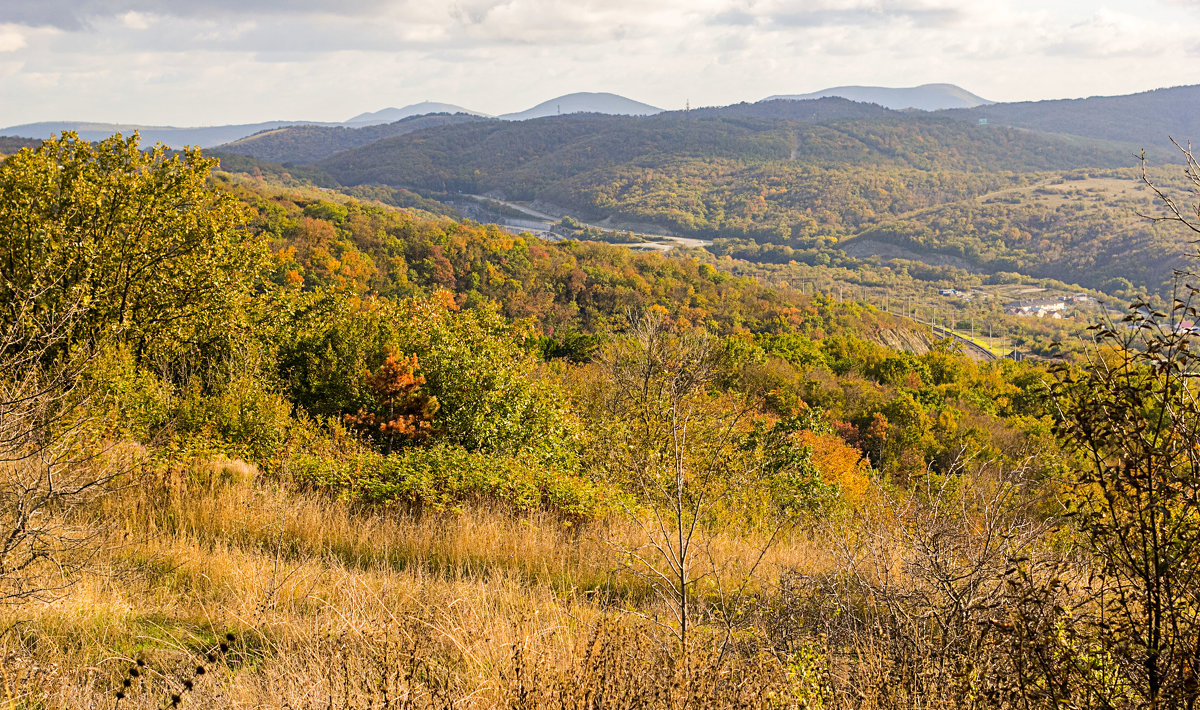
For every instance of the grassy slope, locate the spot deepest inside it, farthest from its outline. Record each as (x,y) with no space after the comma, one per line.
(324,601)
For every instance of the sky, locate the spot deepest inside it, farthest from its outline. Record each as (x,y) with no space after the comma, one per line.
(209,62)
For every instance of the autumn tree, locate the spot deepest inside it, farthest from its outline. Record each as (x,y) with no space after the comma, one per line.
(403,410)
(672,438)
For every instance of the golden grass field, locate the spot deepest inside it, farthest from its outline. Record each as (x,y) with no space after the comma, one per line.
(332,606)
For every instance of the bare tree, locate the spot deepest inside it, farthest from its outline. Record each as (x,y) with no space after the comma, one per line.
(1187,216)
(916,614)
(677,444)
(47,467)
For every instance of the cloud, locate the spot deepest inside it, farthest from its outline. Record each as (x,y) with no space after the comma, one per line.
(81,14)
(135,20)
(215,61)
(11,39)
(1111,34)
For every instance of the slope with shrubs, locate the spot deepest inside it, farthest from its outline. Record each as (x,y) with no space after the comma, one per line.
(479,470)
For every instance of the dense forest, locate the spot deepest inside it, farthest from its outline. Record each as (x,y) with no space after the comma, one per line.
(267,445)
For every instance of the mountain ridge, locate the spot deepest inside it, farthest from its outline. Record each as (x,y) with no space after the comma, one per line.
(1146,118)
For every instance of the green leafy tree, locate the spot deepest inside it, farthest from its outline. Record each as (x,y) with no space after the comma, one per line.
(137,243)
(490,397)
(102,247)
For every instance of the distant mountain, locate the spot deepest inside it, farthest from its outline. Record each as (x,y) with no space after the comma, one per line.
(927,97)
(205,137)
(585,102)
(1145,119)
(211,136)
(391,115)
(308,144)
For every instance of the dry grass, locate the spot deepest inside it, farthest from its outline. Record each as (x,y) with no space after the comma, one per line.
(330,605)
(333,606)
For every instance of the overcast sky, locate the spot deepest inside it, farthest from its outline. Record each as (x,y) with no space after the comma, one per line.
(204,62)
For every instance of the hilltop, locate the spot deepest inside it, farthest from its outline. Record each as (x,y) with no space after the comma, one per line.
(391,115)
(1146,120)
(310,143)
(927,97)
(585,102)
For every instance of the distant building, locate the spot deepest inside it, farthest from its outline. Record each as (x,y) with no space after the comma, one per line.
(947,292)
(1037,308)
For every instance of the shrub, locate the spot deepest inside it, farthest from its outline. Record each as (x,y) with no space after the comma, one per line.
(445,476)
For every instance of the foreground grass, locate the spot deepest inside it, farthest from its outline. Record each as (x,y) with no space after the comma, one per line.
(329,605)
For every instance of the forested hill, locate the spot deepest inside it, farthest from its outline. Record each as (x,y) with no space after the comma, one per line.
(1146,119)
(310,143)
(522,159)
(830,108)
(795,181)
(10,145)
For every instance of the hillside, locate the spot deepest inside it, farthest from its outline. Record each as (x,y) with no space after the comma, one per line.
(1081,227)
(520,159)
(927,97)
(810,111)
(1145,120)
(268,446)
(10,144)
(718,176)
(310,143)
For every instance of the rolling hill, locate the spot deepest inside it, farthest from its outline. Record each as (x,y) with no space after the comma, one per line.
(775,190)
(203,136)
(1146,119)
(309,143)
(573,155)
(585,102)
(927,97)
(210,136)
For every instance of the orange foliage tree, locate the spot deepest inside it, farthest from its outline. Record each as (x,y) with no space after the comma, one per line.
(403,410)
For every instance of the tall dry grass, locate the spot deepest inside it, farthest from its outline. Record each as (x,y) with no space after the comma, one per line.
(332,605)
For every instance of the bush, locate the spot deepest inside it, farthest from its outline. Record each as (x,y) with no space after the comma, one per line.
(445,477)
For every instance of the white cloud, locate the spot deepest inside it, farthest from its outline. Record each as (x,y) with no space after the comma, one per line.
(11,38)
(135,20)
